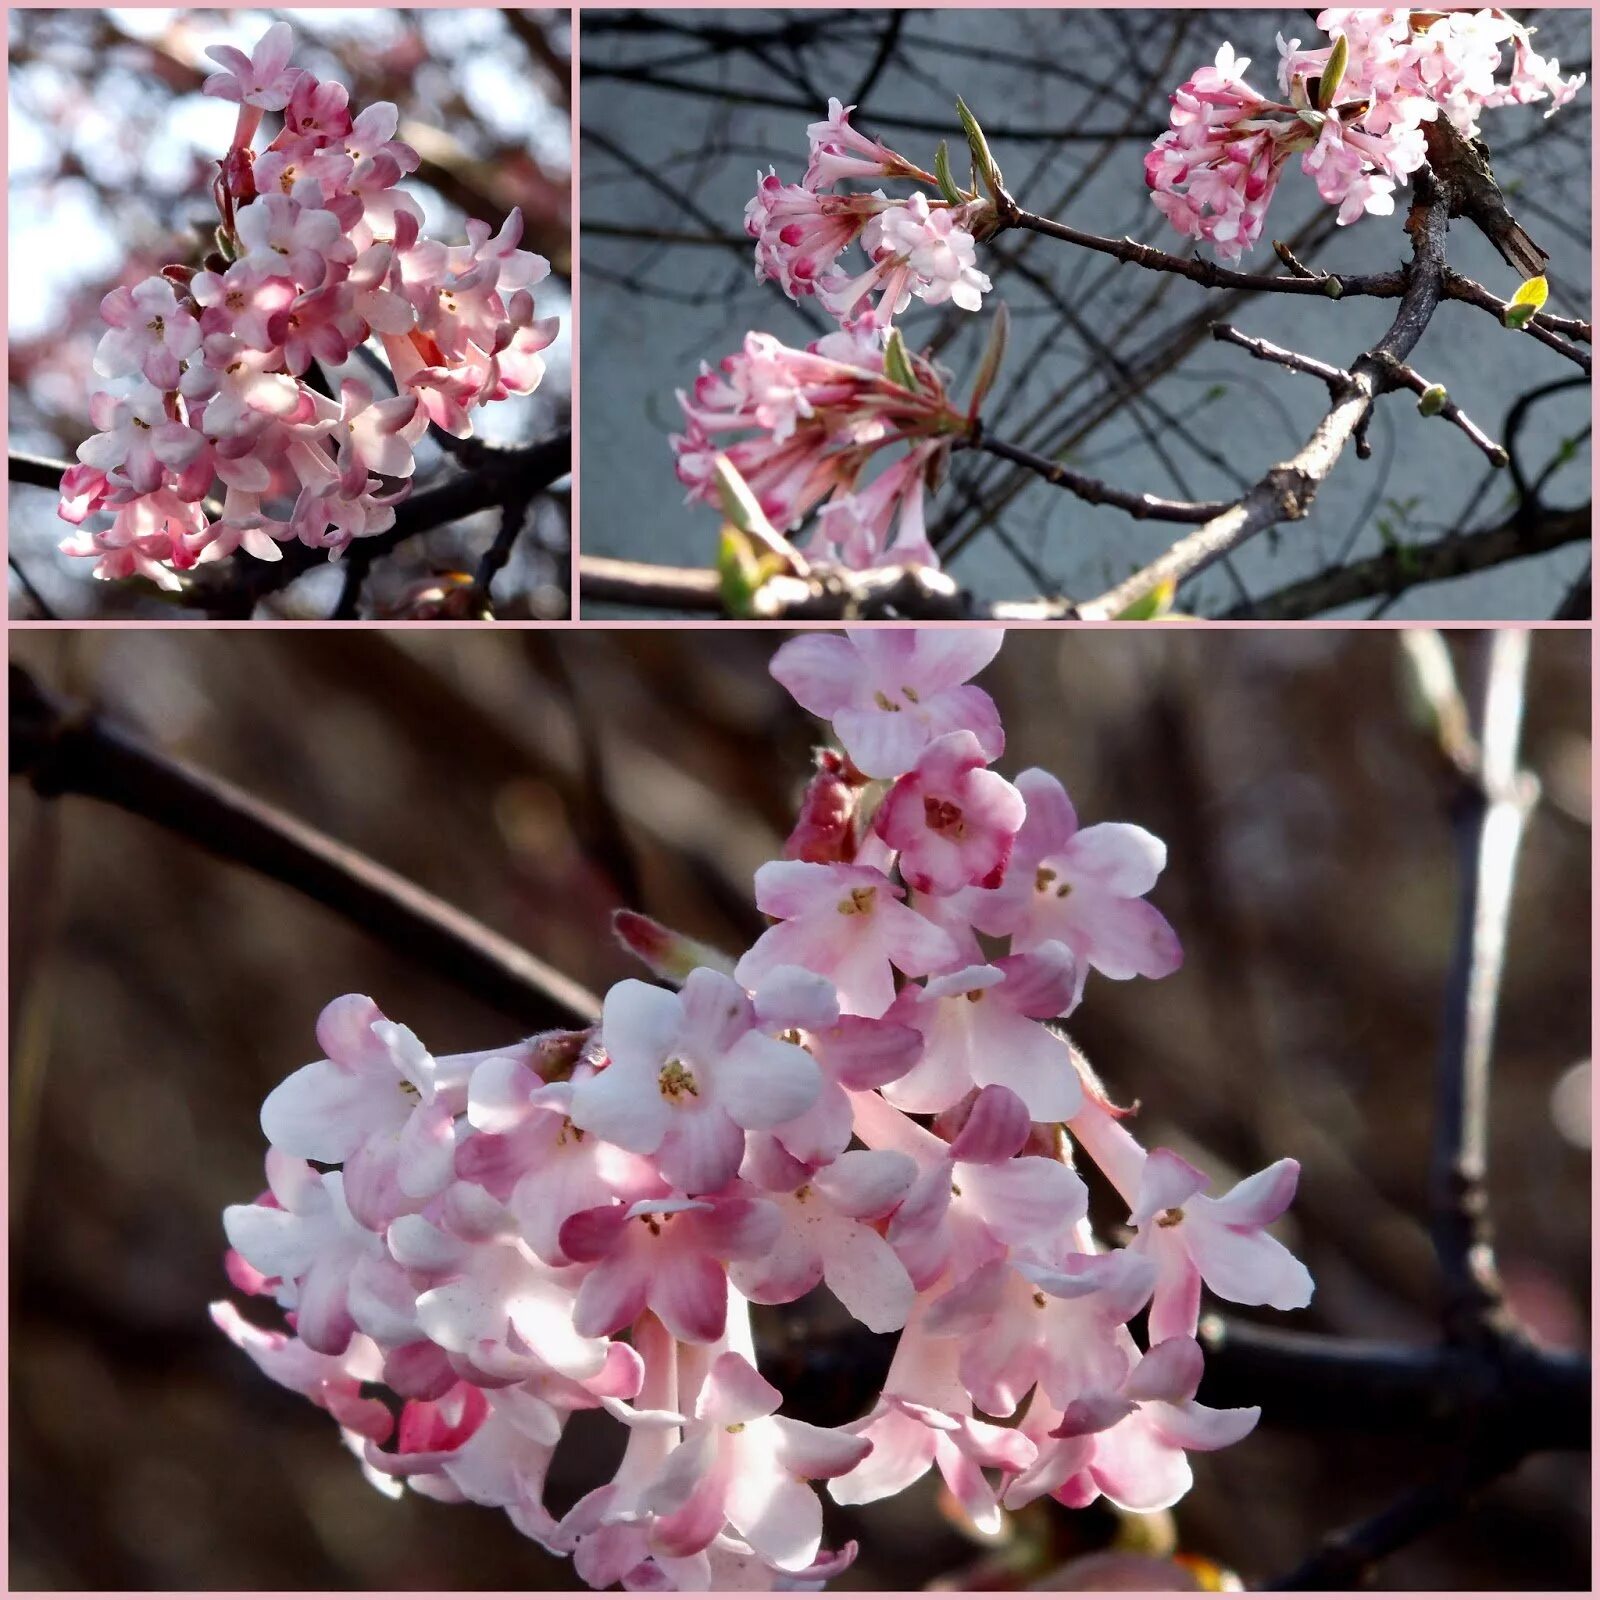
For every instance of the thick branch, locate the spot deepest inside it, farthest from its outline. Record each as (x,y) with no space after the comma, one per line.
(63,750)
(1285,493)
(1320,1384)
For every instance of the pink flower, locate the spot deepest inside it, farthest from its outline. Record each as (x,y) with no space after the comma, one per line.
(976,1198)
(1214,171)
(1223,1242)
(846,923)
(852,1054)
(1020,1322)
(305,239)
(1129,1443)
(243,301)
(889,693)
(378,1103)
(306,1240)
(667,1256)
(149,332)
(742,1466)
(838,152)
(924,1419)
(825,1234)
(687,1075)
(979,1027)
(952,820)
(264,78)
(332,1382)
(1081,887)
(917,250)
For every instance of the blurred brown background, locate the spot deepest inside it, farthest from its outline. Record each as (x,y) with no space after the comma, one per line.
(158,994)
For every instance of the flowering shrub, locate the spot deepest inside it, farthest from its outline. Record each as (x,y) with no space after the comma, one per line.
(581,1221)
(1353,111)
(214,371)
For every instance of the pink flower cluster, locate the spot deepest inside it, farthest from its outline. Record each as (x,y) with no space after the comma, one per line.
(1357,131)
(581,1221)
(801,425)
(318,252)
(919,247)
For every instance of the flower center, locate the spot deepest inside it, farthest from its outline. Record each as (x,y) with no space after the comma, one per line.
(157,326)
(1170,1218)
(857,903)
(1043,880)
(677,1080)
(943,816)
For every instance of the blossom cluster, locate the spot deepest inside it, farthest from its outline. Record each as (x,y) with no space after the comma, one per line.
(800,425)
(921,247)
(875,1097)
(215,372)
(1353,111)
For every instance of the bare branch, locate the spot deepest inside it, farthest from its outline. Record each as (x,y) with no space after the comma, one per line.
(1402,567)
(66,750)
(1285,493)
(1142,507)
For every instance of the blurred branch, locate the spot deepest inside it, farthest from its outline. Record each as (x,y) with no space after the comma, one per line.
(1402,567)
(1492,803)
(1322,1384)
(1501,1420)
(62,749)
(40,471)
(35,599)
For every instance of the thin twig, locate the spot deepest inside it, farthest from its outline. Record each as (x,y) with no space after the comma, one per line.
(64,750)
(1549,330)
(1338,379)
(1142,507)
(1403,377)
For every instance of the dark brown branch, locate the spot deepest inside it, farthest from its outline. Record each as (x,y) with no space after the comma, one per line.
(1323,1384)
(1142,507)
(1347,1558)
(1300,279)
(606,581)
(40,471)
(1402,567)
(64,750)
(1403,377)
(1286,492)
(1338,380)
(1491,808)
